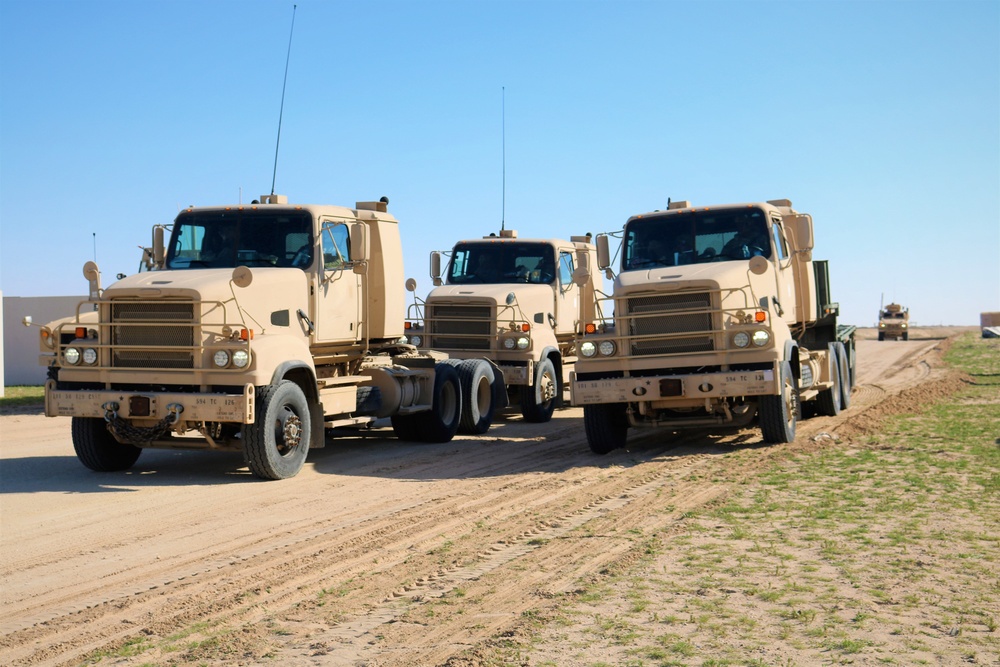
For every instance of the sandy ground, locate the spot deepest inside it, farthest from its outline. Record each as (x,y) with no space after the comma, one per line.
(329,568)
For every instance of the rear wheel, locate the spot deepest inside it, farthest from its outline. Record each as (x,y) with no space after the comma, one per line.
(478,406)
(539,401)
(881,335)
(606,426)
(276,444)
(778,414)
(829,400)
(440,423)
(97,448)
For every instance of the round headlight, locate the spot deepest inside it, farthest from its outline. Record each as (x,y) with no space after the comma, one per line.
(588,349)
(761,338)
(71,355)
(241,358)
(741,339)
(522,343)
(606,348)
(509,343)
(220,358)
(90,356)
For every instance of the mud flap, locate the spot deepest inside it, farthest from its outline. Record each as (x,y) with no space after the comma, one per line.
(500,398)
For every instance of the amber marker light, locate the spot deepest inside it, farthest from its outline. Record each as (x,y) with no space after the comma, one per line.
(246,334)
(81,332)
(525,327)
(760,316)
(590,328)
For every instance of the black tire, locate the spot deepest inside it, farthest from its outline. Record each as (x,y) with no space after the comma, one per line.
(828,402)
(906,335)
(778,414)
(97,448)
(478,404)
(846,376)
(606,426)
(539,400)
(275,446)
(881,335)
(440,423)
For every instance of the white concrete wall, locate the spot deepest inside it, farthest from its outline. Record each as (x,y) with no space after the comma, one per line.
(20,351)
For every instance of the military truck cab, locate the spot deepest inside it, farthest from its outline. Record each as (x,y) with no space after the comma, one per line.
(514,301)
(719,317)
(259,327)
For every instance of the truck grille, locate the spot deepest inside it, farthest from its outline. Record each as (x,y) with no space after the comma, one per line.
(152,327)
(667,324)
(460,327)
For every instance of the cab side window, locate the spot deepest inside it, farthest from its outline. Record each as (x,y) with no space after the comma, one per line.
(565,269)
(779,240)
(336,246)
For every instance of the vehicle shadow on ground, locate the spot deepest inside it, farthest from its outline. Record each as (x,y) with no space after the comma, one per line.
(155,467)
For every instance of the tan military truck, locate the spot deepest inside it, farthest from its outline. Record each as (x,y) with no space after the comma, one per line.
(719,317)
(514,301)
(259,327)
(894,322)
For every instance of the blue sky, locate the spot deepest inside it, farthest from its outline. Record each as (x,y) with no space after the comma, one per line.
(881,119)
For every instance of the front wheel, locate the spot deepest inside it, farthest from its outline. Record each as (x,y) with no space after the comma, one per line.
(606,426)
(276,444)
(778,413)
(539,401)
(97,448)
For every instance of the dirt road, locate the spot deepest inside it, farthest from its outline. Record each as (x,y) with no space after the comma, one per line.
(378,552)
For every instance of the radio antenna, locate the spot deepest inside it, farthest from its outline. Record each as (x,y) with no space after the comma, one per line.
(503,152)
(281,111)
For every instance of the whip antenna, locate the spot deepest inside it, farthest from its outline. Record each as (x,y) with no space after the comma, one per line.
(503,151)
(281,111)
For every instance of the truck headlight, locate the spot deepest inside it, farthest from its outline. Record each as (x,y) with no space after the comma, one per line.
(220,358)
(241,358)
(588,349)
(90,356)
(71,355)
(416,340)
(606,348)
(761,338)
(741,339)
(509,343)
(522,343)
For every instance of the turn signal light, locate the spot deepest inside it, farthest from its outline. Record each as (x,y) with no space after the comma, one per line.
(760,316)
(525,327)
(590,328)
(246,334)
(81,332)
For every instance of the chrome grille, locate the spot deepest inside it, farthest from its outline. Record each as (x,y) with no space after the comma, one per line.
(460,327)
(152,326)
(667,324)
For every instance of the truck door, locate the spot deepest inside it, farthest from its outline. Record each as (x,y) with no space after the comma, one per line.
(338,292)
(785,281)
(567,305)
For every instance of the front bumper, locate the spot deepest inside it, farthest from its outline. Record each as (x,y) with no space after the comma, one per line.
(666,388)
(150,406)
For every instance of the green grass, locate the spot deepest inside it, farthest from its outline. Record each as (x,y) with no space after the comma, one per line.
(20,395)
(885,548)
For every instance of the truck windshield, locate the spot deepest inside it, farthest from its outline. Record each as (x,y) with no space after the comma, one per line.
(495,263)
(695,238)
(227,239)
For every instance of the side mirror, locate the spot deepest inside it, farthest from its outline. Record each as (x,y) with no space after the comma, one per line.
(359,246)
(603,252)
(436,268)
(801,227)
(93,276)
(411,285)
(158,248)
